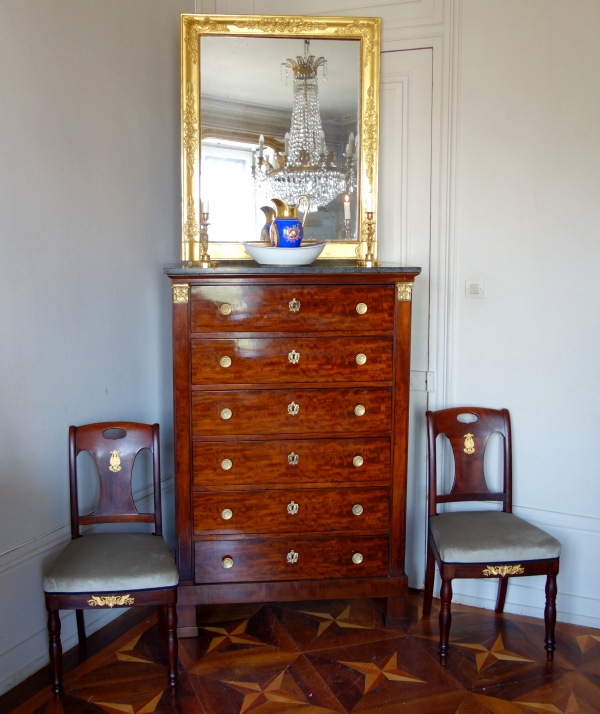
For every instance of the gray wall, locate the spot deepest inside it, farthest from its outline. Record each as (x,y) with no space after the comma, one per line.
(89,213)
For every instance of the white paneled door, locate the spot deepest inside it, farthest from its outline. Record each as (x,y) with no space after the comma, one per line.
(404,233)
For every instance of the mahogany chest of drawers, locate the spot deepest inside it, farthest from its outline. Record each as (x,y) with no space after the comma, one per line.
(291,407)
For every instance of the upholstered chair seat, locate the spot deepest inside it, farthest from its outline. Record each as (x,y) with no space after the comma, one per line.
(108,562)
(489,537)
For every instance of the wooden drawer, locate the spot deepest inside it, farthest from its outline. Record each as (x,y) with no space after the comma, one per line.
(285,411)
(290,461)
(293,308)
(292,359)
(294,510)
(260,560)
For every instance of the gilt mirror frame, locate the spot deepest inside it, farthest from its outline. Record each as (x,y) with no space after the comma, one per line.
(193,27)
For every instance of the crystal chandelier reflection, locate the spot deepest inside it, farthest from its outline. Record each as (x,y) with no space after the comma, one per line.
(305,166)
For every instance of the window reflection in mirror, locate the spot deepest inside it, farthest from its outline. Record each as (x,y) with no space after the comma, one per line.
(245,93)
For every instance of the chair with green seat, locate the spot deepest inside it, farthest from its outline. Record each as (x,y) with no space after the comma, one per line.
(106,570)
(481,544)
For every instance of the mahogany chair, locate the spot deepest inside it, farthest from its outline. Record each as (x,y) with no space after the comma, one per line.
(103,570)
(481,544)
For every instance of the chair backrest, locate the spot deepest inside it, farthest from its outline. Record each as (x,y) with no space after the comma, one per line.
(469,441)
(114,447)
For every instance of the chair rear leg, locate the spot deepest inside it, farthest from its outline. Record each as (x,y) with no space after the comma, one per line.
(429,579)
(445,619)
(81,636)
(162,623)
(550,616)
(55,653)
(171,645)
(502,585)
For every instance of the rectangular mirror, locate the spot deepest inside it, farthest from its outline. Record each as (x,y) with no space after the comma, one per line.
(278,107)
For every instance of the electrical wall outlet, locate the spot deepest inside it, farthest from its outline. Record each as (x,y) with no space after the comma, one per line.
(475,289)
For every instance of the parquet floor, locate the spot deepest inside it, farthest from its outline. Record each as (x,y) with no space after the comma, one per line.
(336,656)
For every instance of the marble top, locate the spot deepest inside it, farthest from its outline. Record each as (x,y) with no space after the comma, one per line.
(250,267)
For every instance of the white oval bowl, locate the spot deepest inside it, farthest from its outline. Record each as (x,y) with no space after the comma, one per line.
(269,255)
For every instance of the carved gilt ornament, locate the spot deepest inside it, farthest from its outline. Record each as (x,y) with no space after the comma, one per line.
(503,570)
(110,600)
(181,293)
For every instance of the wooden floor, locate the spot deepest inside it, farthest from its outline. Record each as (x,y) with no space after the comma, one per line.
(320,657)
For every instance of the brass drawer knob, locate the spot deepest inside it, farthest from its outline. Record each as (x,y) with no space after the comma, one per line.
(294,305)
(357,509)
(226,464)
(358,461)
(293,408)
(292,557)
(292,508)
(227,514)
(359,410)
(225,309)
(357,558)
(361,358)
(293,459)
(227,562)
(294,357)
(227,413)
(226,361)
(361,308)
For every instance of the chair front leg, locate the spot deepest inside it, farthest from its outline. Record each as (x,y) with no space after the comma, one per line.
(171,645)
(445,619)
(55,653)
(429,580)
(502,585)
(550,615)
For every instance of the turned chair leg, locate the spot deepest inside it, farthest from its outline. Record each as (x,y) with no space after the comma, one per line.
(502,585)
(171,645)
(55,653)
(445,619)
(550,616)
(429,579)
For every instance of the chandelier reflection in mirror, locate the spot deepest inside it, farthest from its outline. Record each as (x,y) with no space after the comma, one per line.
(305,166)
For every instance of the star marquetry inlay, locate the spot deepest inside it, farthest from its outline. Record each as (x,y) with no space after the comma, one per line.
(126,653)
(378,674)
(586,642)
(571,707)
(232,635)
(485,657)
(277,689)
(326,619)
(145,706)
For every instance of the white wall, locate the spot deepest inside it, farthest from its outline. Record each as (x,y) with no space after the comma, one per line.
(527,222)
(89,213)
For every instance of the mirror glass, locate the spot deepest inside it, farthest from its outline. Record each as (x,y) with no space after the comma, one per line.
(250,152)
